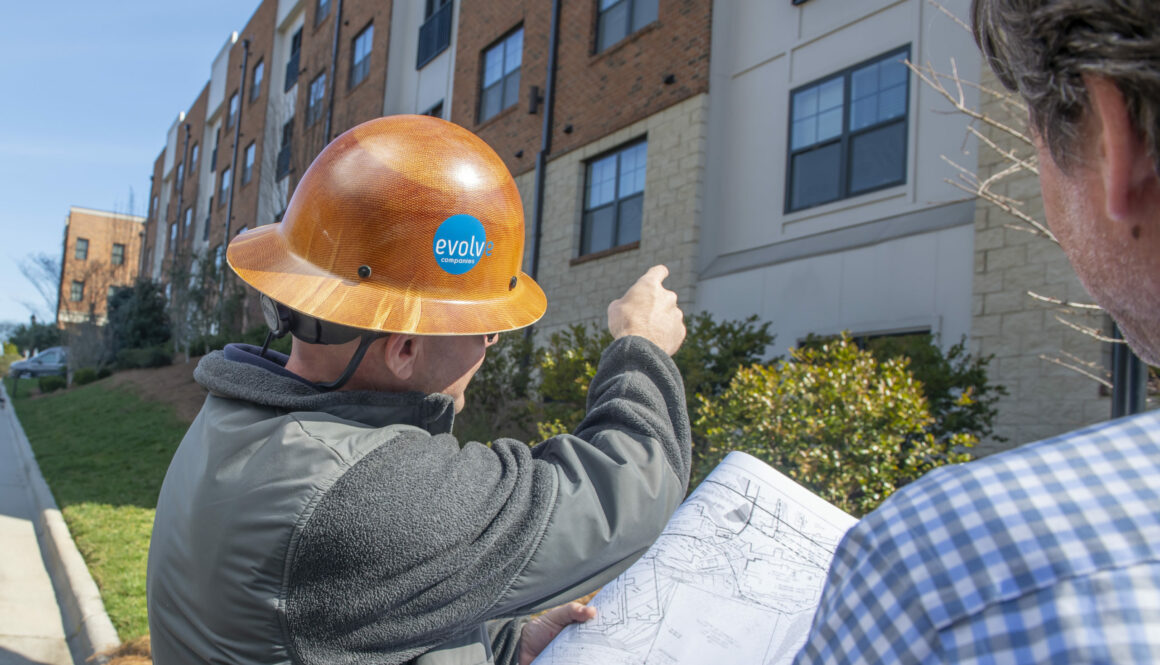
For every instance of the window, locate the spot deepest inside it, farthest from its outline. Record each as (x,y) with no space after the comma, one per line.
(177,180)
(217,139)
(82,249)
(188,222)
(118,254)
(208,217)
(111,292)
(501,75)
(283,165)
(435,33)
(225,184)
(435,111)
(233,116)
(193,157)
(219,258)
(241,230)
(248,166)
(613,199)
(360,55)
(76,292)
(847,133)
(292,62)
(321,10)
(314,103)
(172,236)
(153,207)
(620,18)
(256,80)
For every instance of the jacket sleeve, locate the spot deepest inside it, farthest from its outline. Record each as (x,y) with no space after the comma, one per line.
(618,478)
(423,538)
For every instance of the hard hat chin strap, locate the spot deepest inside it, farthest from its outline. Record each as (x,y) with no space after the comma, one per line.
(282,320)
(367,340)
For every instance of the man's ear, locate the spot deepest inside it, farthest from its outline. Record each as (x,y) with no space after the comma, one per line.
(400,353)
(1128,173)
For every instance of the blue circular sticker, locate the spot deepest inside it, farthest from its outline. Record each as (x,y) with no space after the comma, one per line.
(460,242)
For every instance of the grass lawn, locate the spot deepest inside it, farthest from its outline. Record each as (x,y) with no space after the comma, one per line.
(104,452)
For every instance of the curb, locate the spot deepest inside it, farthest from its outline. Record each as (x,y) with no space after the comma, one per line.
(87,626)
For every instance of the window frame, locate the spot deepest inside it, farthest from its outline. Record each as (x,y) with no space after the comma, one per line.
(321,11)
(76,291)
(116,257)
(285,150)
(845,138)
(257,77)
(193,157)
(584,252)
(248,163)
(80,254)
(500,44)
(314,111)
(628,32)
(361,68)
(435,31)
(290,77)
(187,223)
(232,110)
(226,184)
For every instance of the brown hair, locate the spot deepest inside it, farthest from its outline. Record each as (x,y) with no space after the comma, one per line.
(1042,48)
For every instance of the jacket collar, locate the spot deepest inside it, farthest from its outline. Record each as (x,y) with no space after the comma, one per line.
(239,372)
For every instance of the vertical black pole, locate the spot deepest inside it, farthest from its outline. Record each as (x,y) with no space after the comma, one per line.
(1129,379)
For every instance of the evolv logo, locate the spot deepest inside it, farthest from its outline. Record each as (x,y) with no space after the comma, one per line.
(460,242)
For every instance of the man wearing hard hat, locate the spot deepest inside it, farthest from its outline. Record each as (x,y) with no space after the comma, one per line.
(319,510)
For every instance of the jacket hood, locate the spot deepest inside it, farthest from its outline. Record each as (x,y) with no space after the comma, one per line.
(240,372)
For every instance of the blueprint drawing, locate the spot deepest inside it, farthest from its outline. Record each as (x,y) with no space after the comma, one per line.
(734,578)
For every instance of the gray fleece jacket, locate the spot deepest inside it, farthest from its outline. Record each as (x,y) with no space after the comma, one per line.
(296,526)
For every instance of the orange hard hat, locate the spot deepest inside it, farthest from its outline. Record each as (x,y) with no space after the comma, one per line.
(406,224)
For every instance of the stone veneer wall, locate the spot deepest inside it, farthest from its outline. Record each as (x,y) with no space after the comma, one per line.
(1045,399)
(579,291)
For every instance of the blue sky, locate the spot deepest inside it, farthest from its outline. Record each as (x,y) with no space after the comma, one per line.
(87,94)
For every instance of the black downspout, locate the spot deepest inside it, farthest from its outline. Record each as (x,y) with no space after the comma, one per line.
(545,140)
(1129,379)
(234,158)
(333,69)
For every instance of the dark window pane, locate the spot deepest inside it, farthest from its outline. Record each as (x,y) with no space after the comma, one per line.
(878,158)
(598,230)
(816,178)
(643,13)
(511,88)
(628,229)
(492,100)
(613,26)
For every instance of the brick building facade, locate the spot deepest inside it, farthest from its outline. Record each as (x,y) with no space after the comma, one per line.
(633,80)
(101,251)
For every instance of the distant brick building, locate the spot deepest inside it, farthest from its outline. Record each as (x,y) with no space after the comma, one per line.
(101,252)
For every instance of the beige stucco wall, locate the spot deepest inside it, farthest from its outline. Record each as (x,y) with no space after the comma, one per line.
(581,291)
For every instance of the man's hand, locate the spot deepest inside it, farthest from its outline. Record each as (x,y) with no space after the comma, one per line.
(540,631)
(649,310)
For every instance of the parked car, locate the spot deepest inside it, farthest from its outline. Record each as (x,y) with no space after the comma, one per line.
(53,360)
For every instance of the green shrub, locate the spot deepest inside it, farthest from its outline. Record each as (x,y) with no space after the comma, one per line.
(499,401)
(49,384)
(710,356)
(961,399)
(104,372)
(84,376)
(851,428)
(154,356)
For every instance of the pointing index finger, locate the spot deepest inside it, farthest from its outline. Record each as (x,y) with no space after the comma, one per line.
(657,273)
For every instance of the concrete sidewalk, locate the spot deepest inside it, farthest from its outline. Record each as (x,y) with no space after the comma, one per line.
(50,609)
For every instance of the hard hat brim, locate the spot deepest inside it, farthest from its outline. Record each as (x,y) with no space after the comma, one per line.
(262,258)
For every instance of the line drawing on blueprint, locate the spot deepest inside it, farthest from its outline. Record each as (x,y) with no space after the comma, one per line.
(734,577)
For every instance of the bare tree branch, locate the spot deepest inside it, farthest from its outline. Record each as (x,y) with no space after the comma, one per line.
(1064,303)
(1102,381)
(1089,331)
(43,271)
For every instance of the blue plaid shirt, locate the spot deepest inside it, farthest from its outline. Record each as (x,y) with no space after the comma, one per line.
(1048,553)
